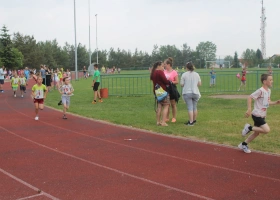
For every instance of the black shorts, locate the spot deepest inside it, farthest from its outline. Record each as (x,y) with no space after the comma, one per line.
(22,87)
(95,86)
(258,121)
(1,81)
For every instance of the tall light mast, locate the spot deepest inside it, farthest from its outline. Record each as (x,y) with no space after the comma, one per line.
(263,25)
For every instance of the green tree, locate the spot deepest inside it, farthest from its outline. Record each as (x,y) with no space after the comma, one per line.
(6,53)
(230,59)
(250,57)
(207,50)
(236,61)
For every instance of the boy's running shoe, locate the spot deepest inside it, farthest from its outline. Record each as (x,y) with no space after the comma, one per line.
(36,118)
(245,130)
(94,102)
(64,117)
(59,103)
(245,148)
(100,100)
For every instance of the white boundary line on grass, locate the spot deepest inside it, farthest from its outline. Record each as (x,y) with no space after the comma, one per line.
(27,184)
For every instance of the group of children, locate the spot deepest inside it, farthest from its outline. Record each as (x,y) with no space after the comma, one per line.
(39,91)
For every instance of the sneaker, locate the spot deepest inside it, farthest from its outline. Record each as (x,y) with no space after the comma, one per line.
(245,148)
(100,100)
(245,130)
(94,102)
(190,124)
(64,117)
(2,91)
(21,96)
(194,121)
(186,123)
(15,95)
(36,118)
(59,103)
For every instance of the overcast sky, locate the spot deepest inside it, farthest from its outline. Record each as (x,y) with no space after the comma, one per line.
(233,25)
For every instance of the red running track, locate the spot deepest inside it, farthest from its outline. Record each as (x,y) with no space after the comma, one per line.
(80,158)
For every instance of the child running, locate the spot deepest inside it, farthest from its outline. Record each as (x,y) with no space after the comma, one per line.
(66,90)
(23,82)
(39,93)
(243,79)
(14,83)
(262,102)
(213,77)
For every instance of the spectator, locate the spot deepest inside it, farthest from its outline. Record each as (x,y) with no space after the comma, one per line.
(190,81)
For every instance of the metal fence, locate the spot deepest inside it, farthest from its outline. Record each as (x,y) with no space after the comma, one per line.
(140,84)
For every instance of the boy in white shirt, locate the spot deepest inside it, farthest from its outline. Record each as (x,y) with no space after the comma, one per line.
(262,102)
(66,90)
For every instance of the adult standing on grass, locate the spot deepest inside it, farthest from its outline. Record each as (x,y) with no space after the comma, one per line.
(262,102)
(172,76)
(43,74)
(190,81)
(85,72)
(158,77)
(26,74)
(95,84)
(2,78)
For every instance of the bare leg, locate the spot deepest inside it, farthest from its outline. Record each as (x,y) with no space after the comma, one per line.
(174,108)
(158,113)
(190,116)
(194,115)
(164,112)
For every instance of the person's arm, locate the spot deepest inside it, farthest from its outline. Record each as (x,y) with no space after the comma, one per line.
(45,93)
(182,82)
(249,107)
(274,102)
(199,81)
(176,81)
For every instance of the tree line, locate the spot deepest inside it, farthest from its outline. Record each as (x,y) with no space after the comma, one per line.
(18,51)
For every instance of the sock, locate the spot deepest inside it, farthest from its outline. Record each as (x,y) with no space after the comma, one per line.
(250,128)
(94,100)
(244,143)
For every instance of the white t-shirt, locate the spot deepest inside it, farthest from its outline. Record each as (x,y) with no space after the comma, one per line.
(66,89)
(262,99)
(190,81)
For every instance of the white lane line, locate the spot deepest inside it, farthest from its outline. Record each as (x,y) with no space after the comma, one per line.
(29,197)
(27,184)
(154,152)
(109,168)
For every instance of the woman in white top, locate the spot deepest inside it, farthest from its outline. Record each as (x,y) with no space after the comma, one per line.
(190,81)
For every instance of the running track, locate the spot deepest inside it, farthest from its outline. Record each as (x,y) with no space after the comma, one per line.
(82,159)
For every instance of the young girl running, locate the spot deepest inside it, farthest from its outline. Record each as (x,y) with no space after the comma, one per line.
(66,90)
(14,83)
(39,93)
(23,82)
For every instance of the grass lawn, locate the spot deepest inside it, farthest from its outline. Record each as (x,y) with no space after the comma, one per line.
(219,120)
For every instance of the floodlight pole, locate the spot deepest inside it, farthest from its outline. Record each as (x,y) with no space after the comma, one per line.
(89,31)
(76,64)
(96,42)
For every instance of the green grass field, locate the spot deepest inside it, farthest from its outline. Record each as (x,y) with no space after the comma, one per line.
(219,120)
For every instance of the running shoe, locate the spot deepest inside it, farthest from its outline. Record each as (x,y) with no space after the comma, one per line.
(245,148)
(36,118)
(245,130)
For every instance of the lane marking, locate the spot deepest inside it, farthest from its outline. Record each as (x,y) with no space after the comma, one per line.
(154,152)
(29,197)
(27,184)
(109,168)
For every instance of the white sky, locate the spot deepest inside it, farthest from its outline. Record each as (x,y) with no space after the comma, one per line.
(233,25)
